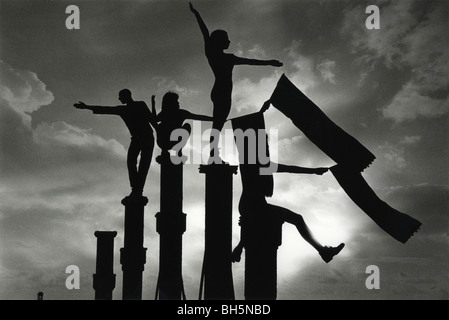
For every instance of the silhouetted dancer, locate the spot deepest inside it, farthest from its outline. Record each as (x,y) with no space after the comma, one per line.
(137,118)
(172,118)
(253,206)
(171,220)
(222,65)
(260,222)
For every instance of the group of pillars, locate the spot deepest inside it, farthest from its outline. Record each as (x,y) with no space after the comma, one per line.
(216,274)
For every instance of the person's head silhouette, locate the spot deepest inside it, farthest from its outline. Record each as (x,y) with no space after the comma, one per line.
(220,39)
(170,102)
(125,96)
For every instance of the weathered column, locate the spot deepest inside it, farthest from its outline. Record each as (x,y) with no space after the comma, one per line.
(104,277)
(133,254)
(170,224)
(217,265)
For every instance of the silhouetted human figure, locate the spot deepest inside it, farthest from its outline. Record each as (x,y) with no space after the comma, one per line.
(253,203)
(256,187)
(222,65)
(172,117)
(137,118)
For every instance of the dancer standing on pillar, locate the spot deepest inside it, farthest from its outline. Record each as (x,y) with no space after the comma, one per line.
(171,118)
(137,118)
(253,205)
(222,65)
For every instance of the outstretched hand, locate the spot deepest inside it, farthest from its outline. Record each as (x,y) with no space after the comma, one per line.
(153,104)
(191,7)
(320,171)
(80,105)
(265,106)
(153,101)
(276,63)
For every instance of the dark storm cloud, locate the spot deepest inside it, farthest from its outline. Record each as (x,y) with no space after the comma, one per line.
(407,38)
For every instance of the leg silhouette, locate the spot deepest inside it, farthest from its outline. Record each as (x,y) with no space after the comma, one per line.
(144,163)
(138,172)
(133,153)
(326,253)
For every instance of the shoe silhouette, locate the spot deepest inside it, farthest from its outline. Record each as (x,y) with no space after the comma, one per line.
(327,253)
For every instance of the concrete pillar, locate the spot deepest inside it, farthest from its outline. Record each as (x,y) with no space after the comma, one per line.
(217,265)
(133,254)
(104,277)
(263,236)
(170,224)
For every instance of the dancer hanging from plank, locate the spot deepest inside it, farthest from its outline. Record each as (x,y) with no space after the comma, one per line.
(254,208)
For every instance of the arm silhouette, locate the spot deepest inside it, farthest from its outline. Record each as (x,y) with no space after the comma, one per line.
(297,169)
(265,106)
(256,62)
(152,115)
(201,23)
(153,105)
(194,116)
(97,109)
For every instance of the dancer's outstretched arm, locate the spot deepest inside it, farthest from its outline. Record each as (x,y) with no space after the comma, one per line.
(297,169)
(194,116)
(97,109)
(201,23)
(257,62)
(153,105)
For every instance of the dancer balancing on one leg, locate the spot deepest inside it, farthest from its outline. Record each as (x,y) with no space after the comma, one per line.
(222,65)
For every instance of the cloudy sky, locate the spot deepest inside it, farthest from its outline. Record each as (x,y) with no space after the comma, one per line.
(63,170)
